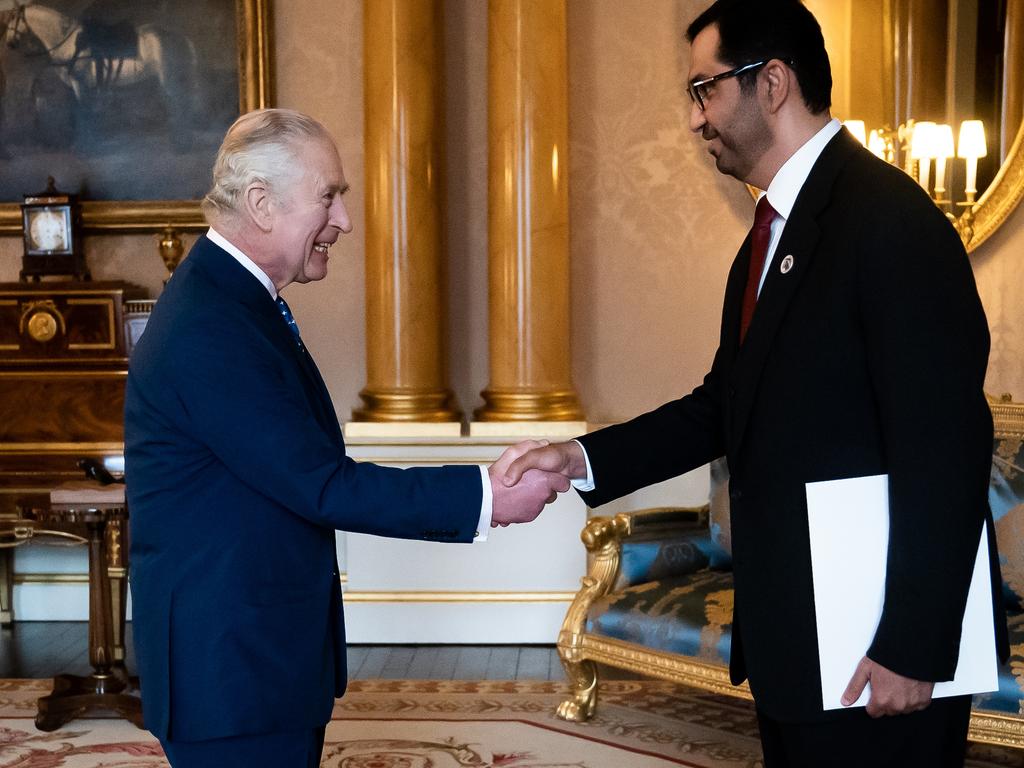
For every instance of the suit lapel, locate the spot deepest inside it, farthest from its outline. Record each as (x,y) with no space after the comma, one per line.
(796,250)
(236,281)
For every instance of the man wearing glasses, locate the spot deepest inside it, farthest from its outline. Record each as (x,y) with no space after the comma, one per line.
(853,343)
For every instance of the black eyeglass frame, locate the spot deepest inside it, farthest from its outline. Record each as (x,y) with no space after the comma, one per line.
(693,85)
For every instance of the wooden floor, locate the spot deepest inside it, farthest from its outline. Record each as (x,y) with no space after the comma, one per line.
(43,649)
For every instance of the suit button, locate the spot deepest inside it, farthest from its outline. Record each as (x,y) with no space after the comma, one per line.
(732,391)
(735,494)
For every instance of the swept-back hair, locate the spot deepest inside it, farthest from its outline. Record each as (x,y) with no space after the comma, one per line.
(261,146)
(758,30)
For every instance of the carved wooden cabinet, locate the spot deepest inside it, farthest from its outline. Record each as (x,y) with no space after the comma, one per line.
(63,365)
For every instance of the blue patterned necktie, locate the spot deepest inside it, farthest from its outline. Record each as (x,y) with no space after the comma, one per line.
(286,313)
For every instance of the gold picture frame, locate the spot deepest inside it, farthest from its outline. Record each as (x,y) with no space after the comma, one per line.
(255,90)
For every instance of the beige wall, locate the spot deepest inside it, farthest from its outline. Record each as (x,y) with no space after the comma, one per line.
(654,227)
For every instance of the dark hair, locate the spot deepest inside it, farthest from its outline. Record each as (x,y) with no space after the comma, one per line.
(758,30)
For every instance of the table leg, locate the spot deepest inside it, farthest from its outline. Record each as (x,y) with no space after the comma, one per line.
(107,687)
(117,579)
(6,587)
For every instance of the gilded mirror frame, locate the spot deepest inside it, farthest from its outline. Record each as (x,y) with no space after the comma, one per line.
(255,90)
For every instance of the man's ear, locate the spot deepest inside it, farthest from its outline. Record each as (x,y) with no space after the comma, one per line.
(779,82)
(258,205)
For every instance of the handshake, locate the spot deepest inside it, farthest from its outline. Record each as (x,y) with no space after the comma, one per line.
(530,475)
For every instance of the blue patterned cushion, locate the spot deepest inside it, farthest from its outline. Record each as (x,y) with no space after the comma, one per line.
(1006,497)
(1009,699)
(684,553)
(689,615)
(720,519)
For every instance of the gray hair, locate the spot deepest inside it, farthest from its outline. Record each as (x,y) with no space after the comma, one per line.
(261,146)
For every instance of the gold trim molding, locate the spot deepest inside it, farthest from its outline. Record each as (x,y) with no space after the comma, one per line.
(50,578)
(255,90)
(61,447)
(1008,419)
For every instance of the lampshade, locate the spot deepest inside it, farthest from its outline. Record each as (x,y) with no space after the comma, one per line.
(876,144)
(943,142)
(972,140)
(922,144)
(856,127)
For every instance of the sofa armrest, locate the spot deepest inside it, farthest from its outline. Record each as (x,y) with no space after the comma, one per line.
(634,547)
(607,539)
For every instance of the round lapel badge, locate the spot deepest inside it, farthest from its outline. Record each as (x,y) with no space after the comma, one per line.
(787,264)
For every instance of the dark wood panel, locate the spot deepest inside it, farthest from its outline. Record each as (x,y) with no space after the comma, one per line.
(61,408)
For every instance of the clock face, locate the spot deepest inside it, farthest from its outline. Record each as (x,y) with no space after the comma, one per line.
(49,230)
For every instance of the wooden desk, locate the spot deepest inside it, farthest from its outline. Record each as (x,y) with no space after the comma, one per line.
(63,365)
(104,515)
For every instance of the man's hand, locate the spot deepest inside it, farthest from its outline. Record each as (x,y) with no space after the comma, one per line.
(566,459)
(523,502)
(891,694)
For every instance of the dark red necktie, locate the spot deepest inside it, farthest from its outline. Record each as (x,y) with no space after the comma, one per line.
(760,235)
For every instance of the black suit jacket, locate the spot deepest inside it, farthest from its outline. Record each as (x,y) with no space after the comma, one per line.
(867,357)
(237,479)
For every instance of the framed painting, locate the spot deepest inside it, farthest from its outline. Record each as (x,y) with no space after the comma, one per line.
(125,104)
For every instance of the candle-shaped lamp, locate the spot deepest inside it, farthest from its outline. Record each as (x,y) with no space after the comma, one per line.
(856,127)
(944,150)
(877,144)
(922,149)
(971,147)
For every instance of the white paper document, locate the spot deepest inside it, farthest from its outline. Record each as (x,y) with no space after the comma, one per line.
(849,529)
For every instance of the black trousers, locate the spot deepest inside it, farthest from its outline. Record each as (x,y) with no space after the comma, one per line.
(935,737)
(300,749)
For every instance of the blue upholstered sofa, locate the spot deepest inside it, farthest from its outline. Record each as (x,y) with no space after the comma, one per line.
(657,599)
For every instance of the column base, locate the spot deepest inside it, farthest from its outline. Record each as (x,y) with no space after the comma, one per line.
(406,405)
(527,429)
(363,429)
(520,405)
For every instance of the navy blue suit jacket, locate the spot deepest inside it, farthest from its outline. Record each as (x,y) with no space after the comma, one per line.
(237,479)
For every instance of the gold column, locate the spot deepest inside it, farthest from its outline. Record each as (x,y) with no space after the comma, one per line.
(528,216)
(406,355)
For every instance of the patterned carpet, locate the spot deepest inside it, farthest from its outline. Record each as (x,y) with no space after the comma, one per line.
(451,724)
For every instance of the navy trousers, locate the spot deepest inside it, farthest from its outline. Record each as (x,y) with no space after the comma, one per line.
(298,749)
(935,737)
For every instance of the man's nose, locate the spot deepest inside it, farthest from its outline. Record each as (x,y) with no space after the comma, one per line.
(339,215)
(697,119)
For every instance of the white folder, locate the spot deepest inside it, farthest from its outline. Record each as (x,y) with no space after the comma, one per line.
(849,531)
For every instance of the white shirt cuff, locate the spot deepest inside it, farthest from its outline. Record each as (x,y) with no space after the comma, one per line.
(588,484)
(486,507)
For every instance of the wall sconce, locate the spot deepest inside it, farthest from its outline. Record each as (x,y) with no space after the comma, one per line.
(918,143)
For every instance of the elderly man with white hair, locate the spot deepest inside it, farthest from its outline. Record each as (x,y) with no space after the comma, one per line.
(238,476)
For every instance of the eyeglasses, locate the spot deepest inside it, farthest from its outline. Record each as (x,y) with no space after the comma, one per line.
(698,89)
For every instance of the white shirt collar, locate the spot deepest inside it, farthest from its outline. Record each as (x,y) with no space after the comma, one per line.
(789,180)
(218,239)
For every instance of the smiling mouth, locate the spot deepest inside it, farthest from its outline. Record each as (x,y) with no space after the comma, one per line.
(322,247)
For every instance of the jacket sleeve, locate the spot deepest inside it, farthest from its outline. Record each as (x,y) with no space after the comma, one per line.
(235,399)
(927,345)
(679,436)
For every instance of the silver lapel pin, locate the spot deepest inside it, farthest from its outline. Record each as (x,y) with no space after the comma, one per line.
(787,264)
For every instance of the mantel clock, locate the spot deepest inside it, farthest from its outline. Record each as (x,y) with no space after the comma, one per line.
(52,226)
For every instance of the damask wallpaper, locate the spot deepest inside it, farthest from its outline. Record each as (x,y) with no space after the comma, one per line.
(654,226)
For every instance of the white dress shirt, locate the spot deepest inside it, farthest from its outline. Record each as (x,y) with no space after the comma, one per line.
(782,194)
(788,182)
(487,498)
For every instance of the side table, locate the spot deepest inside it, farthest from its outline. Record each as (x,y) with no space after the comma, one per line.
(108,687)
